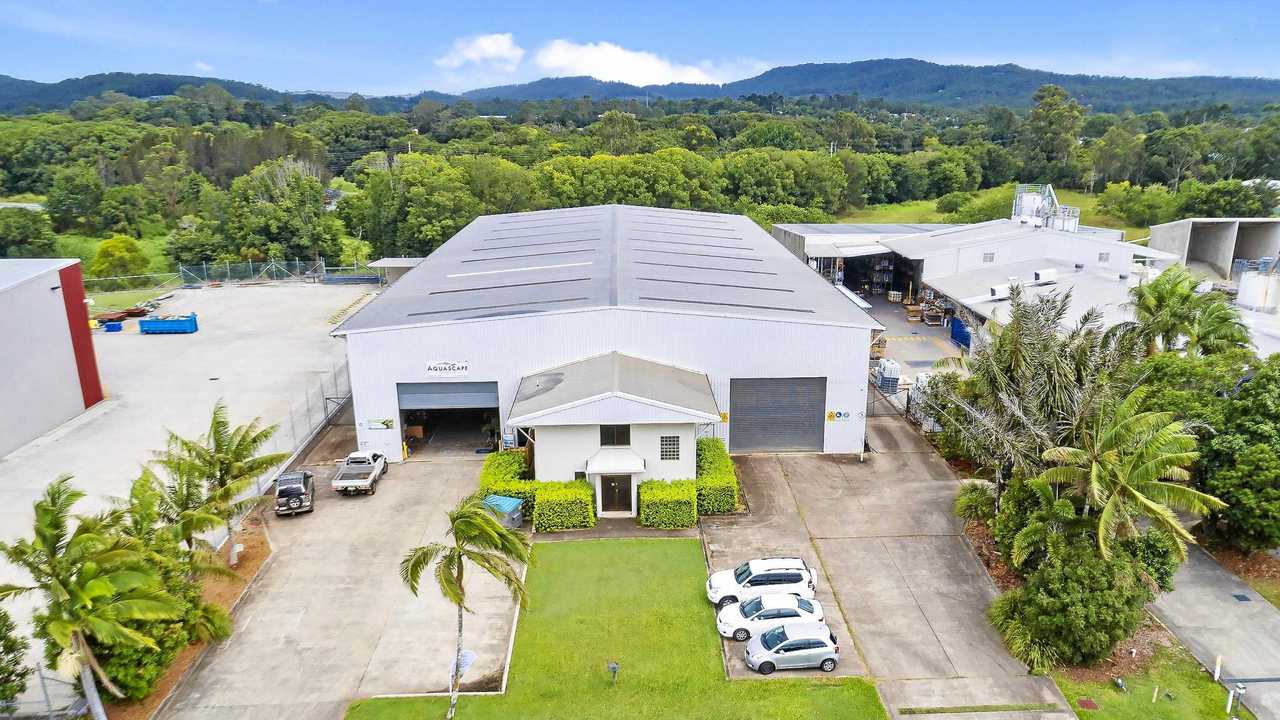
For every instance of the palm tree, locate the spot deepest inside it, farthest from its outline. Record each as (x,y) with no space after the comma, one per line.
(1047,526)
(1168,310)
(1035,383)
(95,580)
(225,458)
(1130,467)
(476,537)
(1215,327)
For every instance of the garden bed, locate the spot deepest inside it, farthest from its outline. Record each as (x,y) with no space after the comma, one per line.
(984,546)
(1260,570)
(225,591)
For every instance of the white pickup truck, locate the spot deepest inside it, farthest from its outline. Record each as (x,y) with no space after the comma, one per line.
(359,473)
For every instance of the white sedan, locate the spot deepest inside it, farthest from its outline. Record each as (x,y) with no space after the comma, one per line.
(743,620)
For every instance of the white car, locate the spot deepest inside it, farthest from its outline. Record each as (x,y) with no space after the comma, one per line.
(744,620)
(759,577)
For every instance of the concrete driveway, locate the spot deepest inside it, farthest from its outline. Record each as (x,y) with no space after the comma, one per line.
(1215,613)
(330,621)
(262,348)
(912,593)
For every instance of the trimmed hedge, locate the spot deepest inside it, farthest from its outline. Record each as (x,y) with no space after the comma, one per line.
(717,483)
(507,473)
(668,505)
(563,506)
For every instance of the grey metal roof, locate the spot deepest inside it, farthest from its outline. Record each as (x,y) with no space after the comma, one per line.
(613,373)
(1091,288)
(862,228)
(16,271)
(396,262)
(608,255)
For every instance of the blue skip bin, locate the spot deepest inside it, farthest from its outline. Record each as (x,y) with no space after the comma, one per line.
(510,511)
(113,326)
(177,325)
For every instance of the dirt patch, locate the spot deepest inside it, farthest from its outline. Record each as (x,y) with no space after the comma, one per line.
(984,544)
(1129,657)
(491,682)
(223,590)
(1248,566)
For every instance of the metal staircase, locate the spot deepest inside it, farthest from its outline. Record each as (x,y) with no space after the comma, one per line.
(1038,205)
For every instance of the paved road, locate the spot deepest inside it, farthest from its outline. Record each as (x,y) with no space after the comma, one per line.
(1204,612)
(912,592)
(329,620)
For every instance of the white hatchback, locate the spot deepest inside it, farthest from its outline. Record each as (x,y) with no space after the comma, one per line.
(744,620)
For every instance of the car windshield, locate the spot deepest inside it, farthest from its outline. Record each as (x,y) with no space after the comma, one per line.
(750,607)
(743,573)
(773,638)
(805,605)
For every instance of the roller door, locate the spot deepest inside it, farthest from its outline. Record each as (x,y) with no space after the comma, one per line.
(447,395)
(776,414)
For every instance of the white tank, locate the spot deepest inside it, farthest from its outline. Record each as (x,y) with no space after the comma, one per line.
(1259,291)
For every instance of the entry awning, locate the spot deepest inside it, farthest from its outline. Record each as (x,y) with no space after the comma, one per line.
(615,461)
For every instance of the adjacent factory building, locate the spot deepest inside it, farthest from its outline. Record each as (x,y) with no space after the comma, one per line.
(609,338)
(49,364)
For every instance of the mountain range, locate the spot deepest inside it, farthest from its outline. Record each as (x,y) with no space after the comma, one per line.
(894,80)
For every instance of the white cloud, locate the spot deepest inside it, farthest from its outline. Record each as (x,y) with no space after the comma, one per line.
(607,61)
(496,50)
(202,66)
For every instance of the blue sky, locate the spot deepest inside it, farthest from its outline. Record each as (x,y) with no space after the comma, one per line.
(402,47)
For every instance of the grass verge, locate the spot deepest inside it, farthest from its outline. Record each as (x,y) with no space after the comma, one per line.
(957,709)
(639,603)
(1186,692)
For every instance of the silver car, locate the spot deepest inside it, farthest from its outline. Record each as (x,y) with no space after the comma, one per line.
(793,646)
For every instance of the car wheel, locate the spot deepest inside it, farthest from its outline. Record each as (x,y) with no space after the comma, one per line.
(726,600)
(373,489)
(741,635)
(766,668)
(827,665)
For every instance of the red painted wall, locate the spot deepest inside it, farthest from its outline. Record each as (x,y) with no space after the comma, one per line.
(72,281)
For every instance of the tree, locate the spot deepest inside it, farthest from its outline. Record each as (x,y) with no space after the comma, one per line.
(226,458)
(1074,608)
(616,132)
(1168,311)
(95,581)
(73,199)
(119,256)
(1251,485)
(124,209)
(1225,198)
(1174,152)
(13,664)
(25,233)
(1129,469)
(696,136)
(281,203)
(1118,154)
(1049,138)
(850,131)
(474,537)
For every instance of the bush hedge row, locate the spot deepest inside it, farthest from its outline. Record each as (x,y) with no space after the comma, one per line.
(668,505)
(563,506)
(717,482)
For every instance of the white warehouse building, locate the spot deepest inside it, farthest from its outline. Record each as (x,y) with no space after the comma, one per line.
(609,338)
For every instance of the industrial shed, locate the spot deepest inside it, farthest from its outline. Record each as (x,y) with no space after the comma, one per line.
(49,365)
(610,337)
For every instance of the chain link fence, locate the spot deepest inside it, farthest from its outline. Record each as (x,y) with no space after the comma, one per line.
(229,272)
(318,407)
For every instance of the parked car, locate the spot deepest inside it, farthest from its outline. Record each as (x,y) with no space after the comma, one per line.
(295,493)
(793,646)
(744,620)
(758,577)
(359,473)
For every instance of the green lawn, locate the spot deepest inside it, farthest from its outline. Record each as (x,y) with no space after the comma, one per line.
(1267,588)
(925,211)
(1195,694)
(639,602)
(121,299)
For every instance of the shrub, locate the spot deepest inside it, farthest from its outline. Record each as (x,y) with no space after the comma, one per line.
(1250,486)
(1073,609)
(668,505)
(976,501)
(563,506)
(953,201)
(13,667)
(136,670)
(1017,503)
(1156,554)
(717,482)
(506,473)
